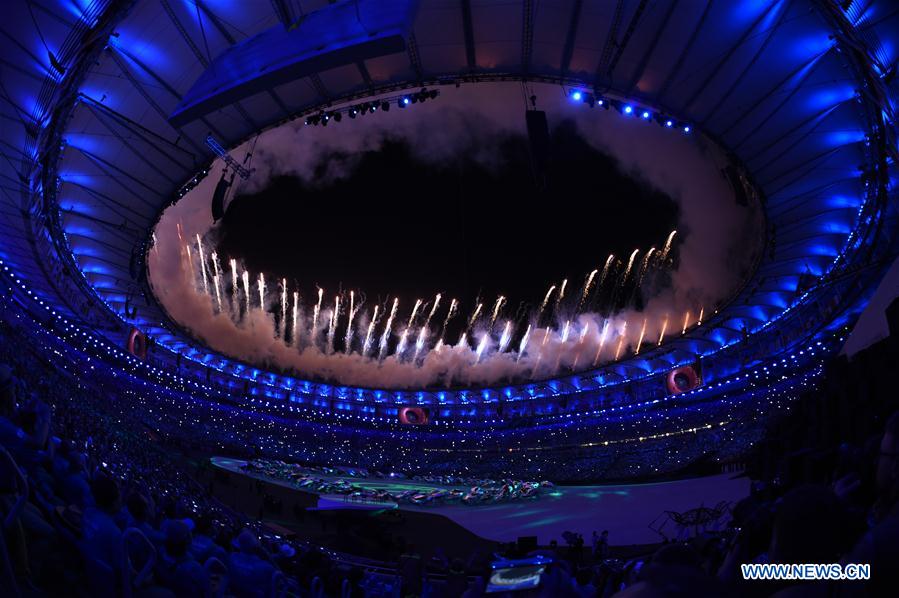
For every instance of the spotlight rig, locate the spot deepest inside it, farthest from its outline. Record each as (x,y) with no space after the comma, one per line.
(628,109)
(323,117)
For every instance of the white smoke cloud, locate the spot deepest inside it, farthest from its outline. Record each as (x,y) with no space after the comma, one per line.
(713,231)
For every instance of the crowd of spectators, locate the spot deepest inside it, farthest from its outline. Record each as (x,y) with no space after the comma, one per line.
(94,501)
(93,504)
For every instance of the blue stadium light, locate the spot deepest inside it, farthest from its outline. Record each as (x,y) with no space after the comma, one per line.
(628,109)
(577,96)
(669,123)
(404,101)
(686,128)
(646,115)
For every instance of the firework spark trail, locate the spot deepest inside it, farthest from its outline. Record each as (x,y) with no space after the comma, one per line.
(315,311)
(701,312)
(664,328)
(386,335)
(586,290)
(366,344)
(644,266)
(482,346)
(202,265)
(621,340)
(605,270)
(640,340)
(218,294)
(433,310)
(565,332)
(667,247)
(505,337)
(215,262)
(545,301)
(235,305)
(414,313)
(423,331)
(216,278)
(179,228)
(540,350)
(580,345)
(332,323)
(686,318)
(261,284)
(559,298)
(293,328)
(602,341)
(284,307)
(630,264)
(449,314)
(496,307)
(401,347)
(471,320)
(348,337)
(190,261)
(524,342)
(246,289)
(420,342)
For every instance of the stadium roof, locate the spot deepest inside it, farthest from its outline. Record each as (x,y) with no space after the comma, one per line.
(802,92)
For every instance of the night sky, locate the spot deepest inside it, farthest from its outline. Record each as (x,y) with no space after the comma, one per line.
(398,226)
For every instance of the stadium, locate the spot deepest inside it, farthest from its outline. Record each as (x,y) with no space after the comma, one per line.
(410,297)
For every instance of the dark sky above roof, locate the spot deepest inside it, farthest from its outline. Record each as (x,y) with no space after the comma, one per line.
(402,226)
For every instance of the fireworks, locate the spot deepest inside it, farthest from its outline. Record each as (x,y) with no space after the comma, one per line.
(497,306)
(283,305)
(246,288)
(293,328)
(667,248)
(506,336)
(332,323)
(580,344)
(218,294)
(545,301)
(586,290)
(202,265)
(559,297)
(261,286)
(644,266)
(482,346)
(640,340)
(190,260)
(602,341)
(366,344)
(382,347)
(524,342)
(630,264)
(474,316)
(605,269)
(699,321)
(234,282)
(621,340)
(348,337)
(215,280)
(316,312)
(449,315)
(484,333)
(401,347)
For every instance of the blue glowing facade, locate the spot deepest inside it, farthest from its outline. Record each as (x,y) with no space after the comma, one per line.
(802,93)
